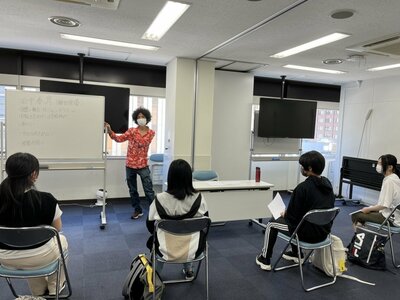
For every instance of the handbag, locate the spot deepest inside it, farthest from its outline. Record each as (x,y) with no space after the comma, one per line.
(367,249)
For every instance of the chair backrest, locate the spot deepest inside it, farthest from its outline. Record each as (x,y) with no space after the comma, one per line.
(26,237)
(157,157)
(389,217)
(204,175)
(318,217)
(185,226)
(181,240)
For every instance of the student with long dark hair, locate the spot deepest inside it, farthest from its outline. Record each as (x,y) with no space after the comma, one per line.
(21,205)
(180,199)
(389,197)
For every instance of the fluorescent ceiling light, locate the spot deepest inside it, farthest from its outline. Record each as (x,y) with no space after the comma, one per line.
(167,16)
(106,42)
(385,67)
(313,44)
(314,69)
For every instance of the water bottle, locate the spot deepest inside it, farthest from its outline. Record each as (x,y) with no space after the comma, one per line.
(258,174)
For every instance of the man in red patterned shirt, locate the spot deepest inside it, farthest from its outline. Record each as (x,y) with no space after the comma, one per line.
(136,158)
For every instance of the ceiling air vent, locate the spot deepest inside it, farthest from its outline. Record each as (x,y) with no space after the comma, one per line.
(389,46)
(109,4)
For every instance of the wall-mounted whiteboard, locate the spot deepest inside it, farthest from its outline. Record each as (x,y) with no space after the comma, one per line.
(54,126)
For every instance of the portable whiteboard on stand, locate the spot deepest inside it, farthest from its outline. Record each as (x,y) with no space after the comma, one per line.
(64,131)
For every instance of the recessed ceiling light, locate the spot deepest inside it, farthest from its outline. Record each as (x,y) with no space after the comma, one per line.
(385,67)
(167,17)
(64,21)
(313,44)
(332,61)
(313,69)
(342,14)
(107,42)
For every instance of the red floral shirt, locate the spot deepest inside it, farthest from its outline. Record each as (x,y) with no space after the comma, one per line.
(138,146)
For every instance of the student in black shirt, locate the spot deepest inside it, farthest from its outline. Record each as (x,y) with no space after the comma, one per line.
(21,205)
(314,193)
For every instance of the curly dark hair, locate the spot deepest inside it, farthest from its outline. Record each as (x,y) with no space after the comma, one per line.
(141,110)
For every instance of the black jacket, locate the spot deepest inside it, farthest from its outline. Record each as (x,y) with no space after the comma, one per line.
(314,193)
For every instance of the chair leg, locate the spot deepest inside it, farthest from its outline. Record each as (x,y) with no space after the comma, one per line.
(207,295)
(279,258)
(392,251)
(327,283)
(11,287)
(154,274)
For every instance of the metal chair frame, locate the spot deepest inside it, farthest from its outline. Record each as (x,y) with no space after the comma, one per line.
(318,217)
(183,227)
(23,237)
(386,226)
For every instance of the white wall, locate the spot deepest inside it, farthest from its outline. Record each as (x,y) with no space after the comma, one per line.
(380,134)
(233,97)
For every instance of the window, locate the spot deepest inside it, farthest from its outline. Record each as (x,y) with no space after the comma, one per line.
(326,133)
(3,89)
(156,106)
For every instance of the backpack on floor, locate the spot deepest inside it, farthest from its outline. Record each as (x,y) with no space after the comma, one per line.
(139,282)
(367,249)
(321,259)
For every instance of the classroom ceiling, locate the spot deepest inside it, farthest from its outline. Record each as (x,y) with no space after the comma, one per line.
(237,34)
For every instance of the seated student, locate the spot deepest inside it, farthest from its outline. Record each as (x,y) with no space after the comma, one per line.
(389,197)
(21,205)
(314,193)
(180,201)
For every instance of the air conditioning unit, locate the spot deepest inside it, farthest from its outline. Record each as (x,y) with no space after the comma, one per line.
(108,4)
(387,46)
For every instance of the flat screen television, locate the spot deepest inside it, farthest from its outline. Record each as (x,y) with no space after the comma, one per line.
(116,99)
(279,118)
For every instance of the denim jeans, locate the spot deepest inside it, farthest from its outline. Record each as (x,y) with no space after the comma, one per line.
(144,174)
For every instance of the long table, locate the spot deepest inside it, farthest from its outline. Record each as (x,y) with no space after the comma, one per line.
(230,200)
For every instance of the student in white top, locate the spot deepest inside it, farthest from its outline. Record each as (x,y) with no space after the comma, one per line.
(180,201)
(389,196)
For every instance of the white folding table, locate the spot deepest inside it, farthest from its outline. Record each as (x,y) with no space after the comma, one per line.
(230,200)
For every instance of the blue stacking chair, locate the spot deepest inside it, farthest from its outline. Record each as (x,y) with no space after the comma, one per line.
(204,175)
(182,228)
(318,217)
(386,226)
(27,237)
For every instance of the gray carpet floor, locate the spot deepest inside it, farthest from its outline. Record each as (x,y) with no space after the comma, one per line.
(100,259)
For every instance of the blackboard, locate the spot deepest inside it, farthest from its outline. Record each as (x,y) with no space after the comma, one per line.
(55,126)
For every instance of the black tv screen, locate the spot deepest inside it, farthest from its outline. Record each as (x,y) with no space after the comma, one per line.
(116,99)
(281,118)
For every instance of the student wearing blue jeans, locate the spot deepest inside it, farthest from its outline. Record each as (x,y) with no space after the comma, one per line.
(145,176)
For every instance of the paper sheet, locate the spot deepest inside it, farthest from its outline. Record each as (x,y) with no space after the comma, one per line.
(276,206)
